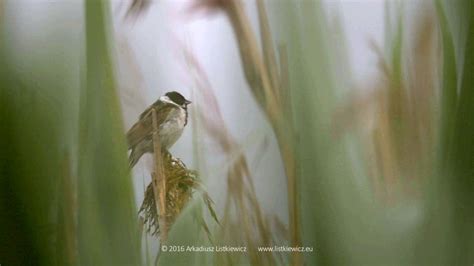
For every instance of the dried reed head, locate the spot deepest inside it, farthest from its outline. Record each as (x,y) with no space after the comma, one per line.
(137,7)
(181,183)
(401,107)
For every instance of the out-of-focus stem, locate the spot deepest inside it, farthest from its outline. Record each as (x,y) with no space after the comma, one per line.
(284,86)
(254,69)
(268,48)
(288,156)
(67,250)
(258,78)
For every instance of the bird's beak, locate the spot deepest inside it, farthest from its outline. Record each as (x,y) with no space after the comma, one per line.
(187,102)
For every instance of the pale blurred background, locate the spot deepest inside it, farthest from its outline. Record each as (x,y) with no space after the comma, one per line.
(150,62)
(159,35)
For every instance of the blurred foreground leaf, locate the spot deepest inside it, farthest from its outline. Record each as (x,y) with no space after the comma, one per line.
(106,207)
(65,190)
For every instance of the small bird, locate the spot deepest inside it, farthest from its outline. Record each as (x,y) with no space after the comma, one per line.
(171,115)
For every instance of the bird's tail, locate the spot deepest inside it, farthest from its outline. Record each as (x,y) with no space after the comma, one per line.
(133,158)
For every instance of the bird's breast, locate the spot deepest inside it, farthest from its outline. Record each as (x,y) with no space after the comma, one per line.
(172,128)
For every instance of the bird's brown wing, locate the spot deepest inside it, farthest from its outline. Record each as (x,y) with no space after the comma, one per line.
(143,128)
(157,105)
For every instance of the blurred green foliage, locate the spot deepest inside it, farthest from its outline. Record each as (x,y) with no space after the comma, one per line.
(66,193)
(107,212)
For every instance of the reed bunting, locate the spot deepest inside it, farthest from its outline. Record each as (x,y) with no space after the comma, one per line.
(172,116)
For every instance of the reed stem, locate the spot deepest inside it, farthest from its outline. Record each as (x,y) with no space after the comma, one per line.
(159,181)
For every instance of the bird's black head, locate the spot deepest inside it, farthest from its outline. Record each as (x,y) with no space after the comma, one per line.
(177,98)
